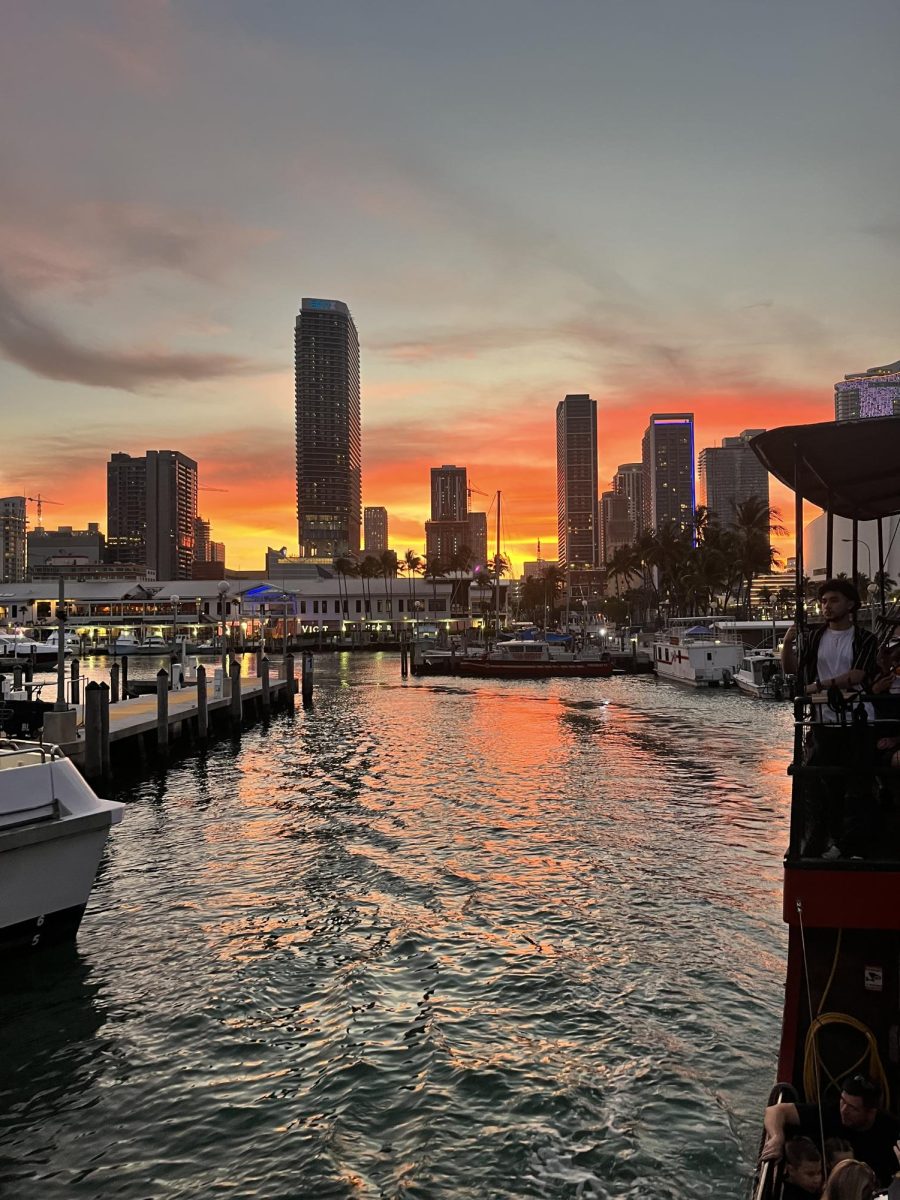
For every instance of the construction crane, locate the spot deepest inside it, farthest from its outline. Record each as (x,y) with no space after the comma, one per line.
(470,489)
(40,501)
(203,488)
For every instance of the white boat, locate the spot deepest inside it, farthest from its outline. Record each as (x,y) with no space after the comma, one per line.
(72,642)
(760,675)
(24,649)
(689,651)
(127,643)
(52,832)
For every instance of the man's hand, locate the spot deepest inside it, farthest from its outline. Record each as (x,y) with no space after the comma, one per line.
(773,1147)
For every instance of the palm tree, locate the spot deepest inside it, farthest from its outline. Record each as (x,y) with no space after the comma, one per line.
(412,564)
(389,567)
(434,570)
(754,521)
(554,579)
(343,567)
(369,569)
(460,564)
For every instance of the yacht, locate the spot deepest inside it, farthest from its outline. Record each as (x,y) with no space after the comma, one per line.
(531,659)
(71,640)
(127,643)
(689,651)
(760,675)
(17,647)
(53,828)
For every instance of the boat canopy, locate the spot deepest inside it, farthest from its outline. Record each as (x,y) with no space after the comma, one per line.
(851,468)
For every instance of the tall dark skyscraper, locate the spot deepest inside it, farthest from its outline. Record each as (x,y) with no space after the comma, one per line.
(151,511)
(375,528)
(329,453)
(668,458)
(629,481)
(730,474)
(449,494)
(576,483)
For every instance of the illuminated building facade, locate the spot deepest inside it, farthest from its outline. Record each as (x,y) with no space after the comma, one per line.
(668,462)
(872,393)
(577,483)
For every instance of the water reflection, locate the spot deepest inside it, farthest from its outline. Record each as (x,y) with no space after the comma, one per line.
(450,940)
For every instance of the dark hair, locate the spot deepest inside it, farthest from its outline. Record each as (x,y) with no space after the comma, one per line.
(801,1150)
(863,1087)
(844,587)
(835,1146)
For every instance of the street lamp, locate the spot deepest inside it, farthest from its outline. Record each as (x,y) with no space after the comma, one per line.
(868,551)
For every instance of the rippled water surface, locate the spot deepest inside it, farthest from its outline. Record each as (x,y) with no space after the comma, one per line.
(442,938)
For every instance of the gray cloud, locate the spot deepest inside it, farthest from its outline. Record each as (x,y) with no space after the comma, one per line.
(40,347)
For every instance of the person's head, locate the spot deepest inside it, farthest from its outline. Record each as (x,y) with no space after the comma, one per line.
(850,1180)
(803,1165)
(836,1150)
(839,599)
(859,1102)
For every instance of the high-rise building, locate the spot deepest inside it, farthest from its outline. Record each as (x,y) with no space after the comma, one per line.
(576,483)
(216,552)
(478,540)
(126,509)
(12,539)
(730,474)
(375,529)
(616,525)
(445,539)
(326,392)
(629,481)
(449,494)
(872,393)
(151,511)
(202,535)
(668,461)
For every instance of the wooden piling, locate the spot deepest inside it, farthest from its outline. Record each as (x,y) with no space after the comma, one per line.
(123,679)
(202,708)
(306,678)
(259,661)
(17,677)
(104,728)
(29,669)
(75,680)
(264,677)
(236,698)
(290,685)
(114,683)
(162,710)
(404,656)
(93,759)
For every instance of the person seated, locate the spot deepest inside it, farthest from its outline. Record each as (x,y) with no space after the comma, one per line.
(836,1150)
(850,1180)
(802,1170)
(856,1118)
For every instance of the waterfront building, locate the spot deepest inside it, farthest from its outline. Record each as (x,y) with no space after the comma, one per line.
(629,481)
(872,393)
(668,469)
(445,539)
(577,483)
(730,474)
(151,511)
(87,547)
(375,529)
(328,436)
(12,539)
(616,524)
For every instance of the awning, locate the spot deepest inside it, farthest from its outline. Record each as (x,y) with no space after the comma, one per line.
(849,467)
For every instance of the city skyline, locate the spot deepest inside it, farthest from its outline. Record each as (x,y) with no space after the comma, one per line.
(460,203)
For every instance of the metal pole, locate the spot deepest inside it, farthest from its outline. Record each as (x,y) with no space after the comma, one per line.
(881,563)
(829,541)
(60,705)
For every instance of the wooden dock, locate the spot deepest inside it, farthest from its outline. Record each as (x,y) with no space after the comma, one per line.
(139,728)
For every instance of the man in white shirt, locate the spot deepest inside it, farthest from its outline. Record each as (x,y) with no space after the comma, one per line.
(840,810)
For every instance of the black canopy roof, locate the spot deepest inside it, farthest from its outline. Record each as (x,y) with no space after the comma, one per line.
(849,467)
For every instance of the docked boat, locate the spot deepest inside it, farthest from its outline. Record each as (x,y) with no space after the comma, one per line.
(15,647)
(128,644)
(52,832)
(760,675)
(517,659)
(71,640)
(842,984)
(690,651)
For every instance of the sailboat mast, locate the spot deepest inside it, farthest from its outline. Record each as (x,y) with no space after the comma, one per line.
(497,561)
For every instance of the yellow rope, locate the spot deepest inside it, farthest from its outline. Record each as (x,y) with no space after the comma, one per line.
(876,1069)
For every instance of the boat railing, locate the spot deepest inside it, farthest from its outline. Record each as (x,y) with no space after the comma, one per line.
(768,1180)
(863,761)
(14,747)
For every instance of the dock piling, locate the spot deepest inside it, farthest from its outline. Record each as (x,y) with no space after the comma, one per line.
(162,710)
(29,669)
(306,678)
(114,683)
(104,729)
(236,698)
(124,676)
(290,686)
(93,760)
(75,680)
(264,677)
(404,656)
(17,678)
(202,709)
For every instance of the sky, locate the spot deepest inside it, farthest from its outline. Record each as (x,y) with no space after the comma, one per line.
(674,206)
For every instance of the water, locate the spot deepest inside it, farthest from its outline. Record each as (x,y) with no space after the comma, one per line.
(444,939)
